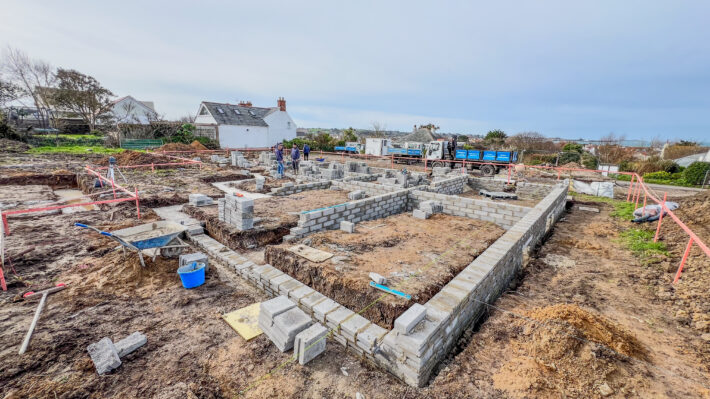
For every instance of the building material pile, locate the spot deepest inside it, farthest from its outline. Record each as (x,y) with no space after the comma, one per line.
(239,160)
(200,200)
(281,321)
(236,211)
(107,356)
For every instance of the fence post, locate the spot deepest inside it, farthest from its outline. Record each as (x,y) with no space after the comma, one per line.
(113,187)
(392,162)
(631,184)
(643,212)
(508,174)
(152,167)
(660,217)
(138,208)
(638,193)
(682,262)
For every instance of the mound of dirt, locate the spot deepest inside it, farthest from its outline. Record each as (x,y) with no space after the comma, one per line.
(568,352)
(129,157)
(8,145)
(571,165)
(175,147)
(197,146)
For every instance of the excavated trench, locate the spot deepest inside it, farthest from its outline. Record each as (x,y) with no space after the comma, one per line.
(235,239)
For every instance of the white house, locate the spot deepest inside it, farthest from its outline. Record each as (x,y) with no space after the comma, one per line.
(243,125)
(129,110)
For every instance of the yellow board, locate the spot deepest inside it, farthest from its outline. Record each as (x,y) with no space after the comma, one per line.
(245,321)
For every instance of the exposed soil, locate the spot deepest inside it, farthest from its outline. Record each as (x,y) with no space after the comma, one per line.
(417,257)
(128,158)
(276,216)
(521,201)
(56,179)
(8,145)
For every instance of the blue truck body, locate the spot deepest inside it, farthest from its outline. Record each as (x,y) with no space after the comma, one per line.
(405,151)
(491,156)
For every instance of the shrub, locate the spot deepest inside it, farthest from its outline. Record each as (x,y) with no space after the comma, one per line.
(657,175)
(589,161)
(695,172)
(567,157)
(573,147)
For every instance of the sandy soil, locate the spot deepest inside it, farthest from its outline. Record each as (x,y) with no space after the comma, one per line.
(521,201)
(269,183)
(417,257)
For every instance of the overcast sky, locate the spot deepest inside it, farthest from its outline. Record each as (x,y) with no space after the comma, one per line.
(561,68)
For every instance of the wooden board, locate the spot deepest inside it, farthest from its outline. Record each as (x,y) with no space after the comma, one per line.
(312,254)
(245,321)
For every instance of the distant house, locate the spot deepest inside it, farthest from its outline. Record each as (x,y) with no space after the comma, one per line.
(243,125)
(129,110)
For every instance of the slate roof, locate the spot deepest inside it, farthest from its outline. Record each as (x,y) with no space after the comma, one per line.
(422,135)
(244,118)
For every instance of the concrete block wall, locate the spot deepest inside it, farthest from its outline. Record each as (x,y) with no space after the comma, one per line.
(348,328)
(503,214)
(354,176)
(412,357)
(236,211)
(452,185)
(355,211)
(297,188)
(482,183)
(369,188)
(533,190)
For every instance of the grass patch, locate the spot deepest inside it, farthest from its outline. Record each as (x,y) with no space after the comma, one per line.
(622,209)
(640,242)
(74,149)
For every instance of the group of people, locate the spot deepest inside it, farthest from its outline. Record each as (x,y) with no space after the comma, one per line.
(295,157)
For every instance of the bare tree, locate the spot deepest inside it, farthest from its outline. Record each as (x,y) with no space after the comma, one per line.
(378,129)
(189,118)
(83,95)
(610,150)
(531,141)
(30,75)
(8,92)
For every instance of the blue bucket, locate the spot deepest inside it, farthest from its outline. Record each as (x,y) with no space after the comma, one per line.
(192,275)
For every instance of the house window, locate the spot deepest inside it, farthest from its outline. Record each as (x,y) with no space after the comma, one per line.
(220,110)
(289,125)
(203,111)
(252,113)
(236,111)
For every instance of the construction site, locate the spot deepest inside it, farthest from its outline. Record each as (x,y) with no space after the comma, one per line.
(195,273)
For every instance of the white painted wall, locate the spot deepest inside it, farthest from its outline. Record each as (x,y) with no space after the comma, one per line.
(205,119)
(281,127)
(130,110)
(243,136)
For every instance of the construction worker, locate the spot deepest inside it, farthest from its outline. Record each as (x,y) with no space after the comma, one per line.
(306,151)
(295,158)
(452,150)
(280,160)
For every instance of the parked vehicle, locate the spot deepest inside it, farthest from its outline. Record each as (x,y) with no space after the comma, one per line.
(350,147)
(377,146)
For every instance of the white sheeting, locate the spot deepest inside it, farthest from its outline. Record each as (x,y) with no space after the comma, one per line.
(597,188)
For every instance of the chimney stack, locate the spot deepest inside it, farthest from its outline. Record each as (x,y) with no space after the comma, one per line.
(281,103)
(245,103)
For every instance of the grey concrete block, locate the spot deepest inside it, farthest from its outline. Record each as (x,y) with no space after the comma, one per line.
(310,343)
(130,343)
(104,355)
(378,279)
(410,318)
(347,227)
(276,306)
(420,214)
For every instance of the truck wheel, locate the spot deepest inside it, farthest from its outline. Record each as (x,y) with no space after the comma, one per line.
(438,164)
(488,170)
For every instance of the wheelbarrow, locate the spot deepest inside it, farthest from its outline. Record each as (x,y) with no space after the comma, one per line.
(162,236)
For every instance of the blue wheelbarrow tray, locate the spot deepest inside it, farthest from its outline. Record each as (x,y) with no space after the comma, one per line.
(150,235)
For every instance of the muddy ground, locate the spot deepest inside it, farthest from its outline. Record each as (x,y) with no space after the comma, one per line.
(586,318)
(269,183)
(416,256)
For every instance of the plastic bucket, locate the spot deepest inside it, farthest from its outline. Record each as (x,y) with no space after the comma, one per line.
(192,275)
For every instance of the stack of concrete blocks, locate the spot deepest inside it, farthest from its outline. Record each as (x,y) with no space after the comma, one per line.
(199,200)
(236,211)
(357,167)
(427,208)
(348,227)
(413,348)
(222,161)
(239,160)
(194,257)
(107,356)
(281,321)
(335,171)
(259,182)
(440,171)
(267,158)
